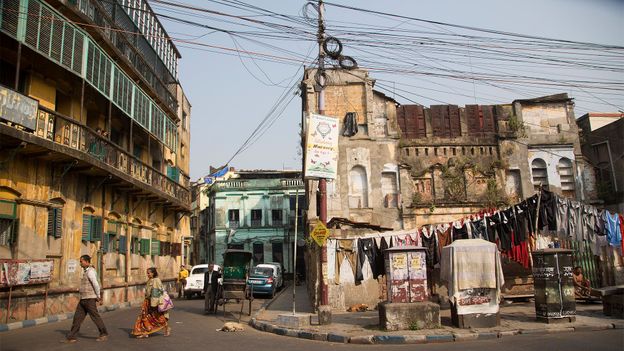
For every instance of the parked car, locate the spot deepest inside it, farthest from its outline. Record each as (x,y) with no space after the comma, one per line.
(195,281)
(262,280)
(279,275)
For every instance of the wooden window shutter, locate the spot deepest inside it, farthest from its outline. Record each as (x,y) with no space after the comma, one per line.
(123,244)
(155,247)
(105,242)
(86,227)
(51,221)
(145,246)
(96,228)
(58,223)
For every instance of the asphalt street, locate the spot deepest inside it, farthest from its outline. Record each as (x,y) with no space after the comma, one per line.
(193,330)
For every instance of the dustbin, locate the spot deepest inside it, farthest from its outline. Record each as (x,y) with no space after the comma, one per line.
(553,282)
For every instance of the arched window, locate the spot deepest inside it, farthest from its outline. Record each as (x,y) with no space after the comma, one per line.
(540,173)
(358,187)
(566,175)
(389,189)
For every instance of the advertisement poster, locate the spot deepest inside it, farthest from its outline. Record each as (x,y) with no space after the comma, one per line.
(321,153)
(24,272)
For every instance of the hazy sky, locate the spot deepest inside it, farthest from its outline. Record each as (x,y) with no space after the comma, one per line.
(231,94)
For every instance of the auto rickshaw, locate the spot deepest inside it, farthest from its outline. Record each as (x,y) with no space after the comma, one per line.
(236,266)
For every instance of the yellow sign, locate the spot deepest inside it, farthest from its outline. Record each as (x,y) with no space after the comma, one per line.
(320,234)
(399,261)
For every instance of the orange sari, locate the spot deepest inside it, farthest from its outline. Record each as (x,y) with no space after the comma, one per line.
(150,320)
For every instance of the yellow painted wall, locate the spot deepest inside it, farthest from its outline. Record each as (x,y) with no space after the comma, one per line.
(42,90)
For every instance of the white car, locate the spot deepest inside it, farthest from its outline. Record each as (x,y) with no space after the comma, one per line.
(195,281)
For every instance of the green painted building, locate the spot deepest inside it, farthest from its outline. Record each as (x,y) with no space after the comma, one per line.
(255,211)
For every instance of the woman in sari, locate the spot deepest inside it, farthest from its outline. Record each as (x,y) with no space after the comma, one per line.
(151,320)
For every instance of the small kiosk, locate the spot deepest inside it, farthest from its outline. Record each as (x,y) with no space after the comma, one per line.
(554,285)
(473,274)
(407,306)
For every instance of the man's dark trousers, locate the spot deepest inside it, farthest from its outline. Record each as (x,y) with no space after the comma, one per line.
(86,306)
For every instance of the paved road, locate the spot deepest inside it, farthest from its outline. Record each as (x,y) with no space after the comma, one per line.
(192,330)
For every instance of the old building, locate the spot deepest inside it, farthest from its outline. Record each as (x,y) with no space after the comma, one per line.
(255,211)
(367,189)
(94,138)
(601,143)
(199,241)
(407,166)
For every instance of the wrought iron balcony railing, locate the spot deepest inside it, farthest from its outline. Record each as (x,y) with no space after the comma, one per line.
(65,131)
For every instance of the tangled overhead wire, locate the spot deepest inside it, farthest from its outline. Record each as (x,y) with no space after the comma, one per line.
(333,48)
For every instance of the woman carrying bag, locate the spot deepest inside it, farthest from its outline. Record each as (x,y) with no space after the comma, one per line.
(153,318)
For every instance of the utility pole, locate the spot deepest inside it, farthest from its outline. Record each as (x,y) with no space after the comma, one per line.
(325,311)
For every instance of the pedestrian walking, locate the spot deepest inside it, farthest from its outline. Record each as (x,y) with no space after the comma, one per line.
(182,275)
(150,320)
(90,297)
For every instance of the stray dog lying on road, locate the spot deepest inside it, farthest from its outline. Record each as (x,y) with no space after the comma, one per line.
(360,307)
(231,327)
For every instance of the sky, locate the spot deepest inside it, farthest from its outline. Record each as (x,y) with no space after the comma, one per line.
(234,79)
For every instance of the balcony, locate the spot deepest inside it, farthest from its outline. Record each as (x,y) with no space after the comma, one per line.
(66,136)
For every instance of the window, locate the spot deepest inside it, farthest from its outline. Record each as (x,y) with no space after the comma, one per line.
(540,173)
(91,228)
(276,217)
(145,247)
(256,218)
(233,218)
(109,240)
(183,120)
(389,189)
(155,244)
(122,244)
(278,252)
(8,231)
(55,222)
(358,188)
(258,253)
(566,176)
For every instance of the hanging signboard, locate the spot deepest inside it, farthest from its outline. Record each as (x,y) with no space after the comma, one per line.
(320,234)
(17,108)
(321,153)
(25,272)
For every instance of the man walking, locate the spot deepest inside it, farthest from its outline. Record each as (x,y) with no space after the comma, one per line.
(89,299)
(182,275)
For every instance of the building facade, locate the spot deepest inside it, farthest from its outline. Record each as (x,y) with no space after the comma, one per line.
(407,166)
(95,127)
(368,185)
(601,143)
(255,211)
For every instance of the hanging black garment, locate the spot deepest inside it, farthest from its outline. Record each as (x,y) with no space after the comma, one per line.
(548,211)
(350,124)
(531,204)
(492,223)
(520,222)
(366,249)
(379,260)
(431,249)
(504,227)
(460,233)
(477,228)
